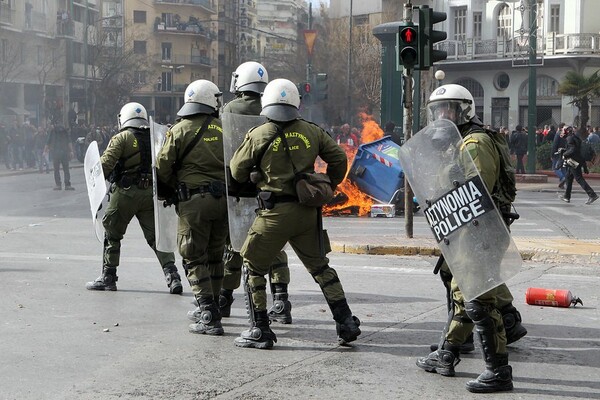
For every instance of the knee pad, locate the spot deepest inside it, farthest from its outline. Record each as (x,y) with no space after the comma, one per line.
(477,311)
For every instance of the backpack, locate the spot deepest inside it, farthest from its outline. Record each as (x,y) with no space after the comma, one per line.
(587,151)
(507,183)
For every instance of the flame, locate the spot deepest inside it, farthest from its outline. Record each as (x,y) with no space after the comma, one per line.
(357,202)
(371,130)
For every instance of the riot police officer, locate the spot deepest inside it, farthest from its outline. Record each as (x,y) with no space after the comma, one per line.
(492,313)
(190,165)
(281,219)
(127,164)
(248,82)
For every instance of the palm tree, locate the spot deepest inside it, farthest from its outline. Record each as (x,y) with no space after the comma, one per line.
(581,89)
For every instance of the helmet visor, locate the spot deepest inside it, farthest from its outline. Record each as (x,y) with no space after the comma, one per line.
(446,109)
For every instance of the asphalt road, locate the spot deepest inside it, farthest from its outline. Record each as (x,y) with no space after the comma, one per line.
(54,343)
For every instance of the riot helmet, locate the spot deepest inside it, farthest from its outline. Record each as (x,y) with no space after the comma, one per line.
(280,101)
(201,97)
(133,115)
(451,102)
(249,77)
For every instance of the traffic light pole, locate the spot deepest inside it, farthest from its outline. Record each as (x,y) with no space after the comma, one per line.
(408,121)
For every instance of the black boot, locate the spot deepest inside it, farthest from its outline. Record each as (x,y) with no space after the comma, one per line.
(346,324)
(208,321)
(225,301)
(441,361)
(173,279)
(511,318)
(497,376)
(281,311)
(467,347)
(260,335)
(106,281)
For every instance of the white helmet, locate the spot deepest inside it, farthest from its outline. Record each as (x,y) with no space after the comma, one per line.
(280,101)
(452,102)
(249,77)
(201,97)
(133,115)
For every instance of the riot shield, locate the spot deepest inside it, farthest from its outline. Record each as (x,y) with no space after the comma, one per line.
(241,211)
(96,186)
(165,218)
(459,210)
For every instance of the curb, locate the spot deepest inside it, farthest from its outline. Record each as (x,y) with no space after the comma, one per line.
(538,255)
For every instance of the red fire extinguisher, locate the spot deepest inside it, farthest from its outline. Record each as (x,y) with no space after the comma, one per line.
(551,297)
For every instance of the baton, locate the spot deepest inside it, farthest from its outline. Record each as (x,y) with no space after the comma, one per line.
(439,264)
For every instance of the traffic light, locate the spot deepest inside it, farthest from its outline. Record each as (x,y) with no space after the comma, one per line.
(407,42)
(428,37)
(304,88)
(321,86)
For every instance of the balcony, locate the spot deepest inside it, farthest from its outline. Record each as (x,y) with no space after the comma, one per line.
(65,27)
(195,29)
(555,44)
(181,59)
(35,21)
(206,4)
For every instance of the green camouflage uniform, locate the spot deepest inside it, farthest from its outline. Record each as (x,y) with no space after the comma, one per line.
(202,226)
(288,221)
(127,199)
(248,104)
(485,156)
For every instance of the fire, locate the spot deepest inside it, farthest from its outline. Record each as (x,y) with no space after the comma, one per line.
(350,200)
(371,130)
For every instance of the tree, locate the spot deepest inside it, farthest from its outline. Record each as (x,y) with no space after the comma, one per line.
(581,89)
(49,71)
(115,74)
(331,56)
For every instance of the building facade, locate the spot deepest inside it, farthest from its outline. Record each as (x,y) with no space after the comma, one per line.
(488,52)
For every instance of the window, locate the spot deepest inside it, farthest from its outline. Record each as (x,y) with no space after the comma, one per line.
(460,23)
(504,22)
(139,47)
(555,18)
(139,17)
(167,81)
(477,17)
(140,77)
(40,55)
(166,51)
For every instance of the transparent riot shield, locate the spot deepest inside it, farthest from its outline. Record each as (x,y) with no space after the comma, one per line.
(165,218)
(459,210)
(241,211)
(96,185)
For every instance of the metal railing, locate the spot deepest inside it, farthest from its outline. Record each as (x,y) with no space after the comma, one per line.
(204,3)
(186,59)
(572,43)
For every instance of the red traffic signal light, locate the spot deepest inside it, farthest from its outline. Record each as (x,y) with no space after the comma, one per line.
(408,36)
(306,87)
(407,46)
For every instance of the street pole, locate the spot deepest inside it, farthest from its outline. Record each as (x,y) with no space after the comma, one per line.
(348,80)
(85,64)
(408,122)
(532,103)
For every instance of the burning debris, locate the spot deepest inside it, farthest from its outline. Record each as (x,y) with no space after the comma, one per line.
(349,199)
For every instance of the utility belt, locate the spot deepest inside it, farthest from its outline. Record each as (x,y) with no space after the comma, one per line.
(267,200)
(142,181)
(215,188)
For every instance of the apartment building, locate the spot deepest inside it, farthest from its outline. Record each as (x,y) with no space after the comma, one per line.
(179,39)
(32,61)
(488,42)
